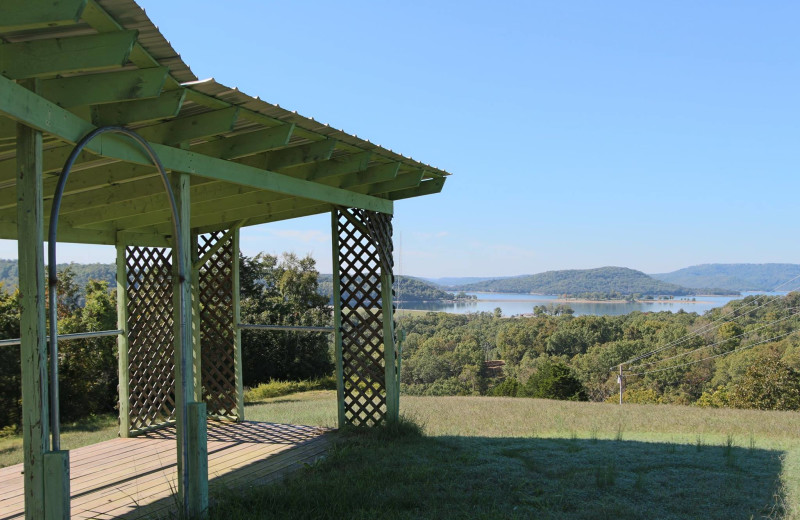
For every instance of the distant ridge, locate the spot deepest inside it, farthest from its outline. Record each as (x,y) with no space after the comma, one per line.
(736,277)
(455,281)
(600,283)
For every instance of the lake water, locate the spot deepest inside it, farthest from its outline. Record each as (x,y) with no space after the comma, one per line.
(513,304)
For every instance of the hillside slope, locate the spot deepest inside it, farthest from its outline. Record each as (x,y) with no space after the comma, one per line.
(9,273)
(409,289)
(603,281)
(736,277)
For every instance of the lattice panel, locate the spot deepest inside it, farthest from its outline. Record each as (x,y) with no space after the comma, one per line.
(151,358)
(364,250)
(217,327)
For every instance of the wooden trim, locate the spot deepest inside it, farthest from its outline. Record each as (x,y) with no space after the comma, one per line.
(123,343)
(337,318)
(389,357)
(237,318)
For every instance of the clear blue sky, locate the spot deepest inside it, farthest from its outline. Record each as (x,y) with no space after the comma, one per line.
(579,134)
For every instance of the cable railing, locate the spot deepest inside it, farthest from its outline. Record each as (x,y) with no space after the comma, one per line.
(67,337)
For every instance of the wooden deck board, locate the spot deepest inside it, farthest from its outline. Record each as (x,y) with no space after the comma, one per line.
(136,477)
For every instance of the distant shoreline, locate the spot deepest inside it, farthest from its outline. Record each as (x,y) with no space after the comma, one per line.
(585,300)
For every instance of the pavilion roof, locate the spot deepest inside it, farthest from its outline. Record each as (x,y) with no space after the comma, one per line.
(69,66)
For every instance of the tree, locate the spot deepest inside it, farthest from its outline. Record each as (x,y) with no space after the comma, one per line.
(88,368)
(282,292)
(10,389)
(769,384)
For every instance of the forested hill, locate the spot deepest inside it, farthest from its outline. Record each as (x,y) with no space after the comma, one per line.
(9,273)
(409,289)
(603,282)
(736,277)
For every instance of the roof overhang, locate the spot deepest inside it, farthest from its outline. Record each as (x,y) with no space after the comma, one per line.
(69,66)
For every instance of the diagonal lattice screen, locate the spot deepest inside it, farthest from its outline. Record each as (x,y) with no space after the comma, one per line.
(151,351)
(217,327)
(365,249)
(151,361)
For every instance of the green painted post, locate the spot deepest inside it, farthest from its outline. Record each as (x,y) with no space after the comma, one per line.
(56,485)
(237,318)
(123,345)
(192,477)
(389,352)
(198,461)
(30,233)
(337,318)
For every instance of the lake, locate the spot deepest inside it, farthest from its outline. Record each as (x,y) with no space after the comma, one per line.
(513,304)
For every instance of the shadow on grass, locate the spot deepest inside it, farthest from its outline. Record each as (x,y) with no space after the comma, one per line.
(477,477)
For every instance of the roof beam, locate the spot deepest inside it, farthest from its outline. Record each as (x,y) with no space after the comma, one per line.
(92,89)
(407,180)
(103,22)
(184,129)
(145,206)
(8,128)
(337,166)
(40,58)
(425,188)
(26,107)
(98,178)
(302,210)
(247,144)
(166,105)
(53,160)
(38,14)
(373,174)
(306,153)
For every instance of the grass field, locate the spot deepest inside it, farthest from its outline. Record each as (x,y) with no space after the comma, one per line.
(525,458)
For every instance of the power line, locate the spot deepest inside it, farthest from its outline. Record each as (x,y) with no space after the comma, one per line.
(712,357)
(710,326)
(718,342)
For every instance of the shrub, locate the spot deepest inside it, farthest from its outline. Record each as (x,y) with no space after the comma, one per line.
(717,398)
(554,380)
(276,388)
(509,388)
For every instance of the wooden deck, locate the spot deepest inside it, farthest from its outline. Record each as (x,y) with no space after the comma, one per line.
(132,478)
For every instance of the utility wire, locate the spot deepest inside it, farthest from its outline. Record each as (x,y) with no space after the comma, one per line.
(711,326)
(718,342)
(711,357)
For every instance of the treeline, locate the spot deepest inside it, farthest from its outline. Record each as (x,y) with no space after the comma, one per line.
(81,274)
(407,289)
(601,283)
(274,290)
(560,356)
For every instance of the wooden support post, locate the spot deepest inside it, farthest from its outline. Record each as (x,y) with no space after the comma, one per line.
(123,344)
(237,337)
(30,232)
(192,478)
(197,354)
(56,485)
(337,317)
(389,352)
(198,461)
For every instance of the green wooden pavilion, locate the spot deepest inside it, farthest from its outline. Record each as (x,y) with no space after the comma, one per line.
(71,67)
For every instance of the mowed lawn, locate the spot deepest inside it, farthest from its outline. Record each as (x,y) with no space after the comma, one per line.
(483,457)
